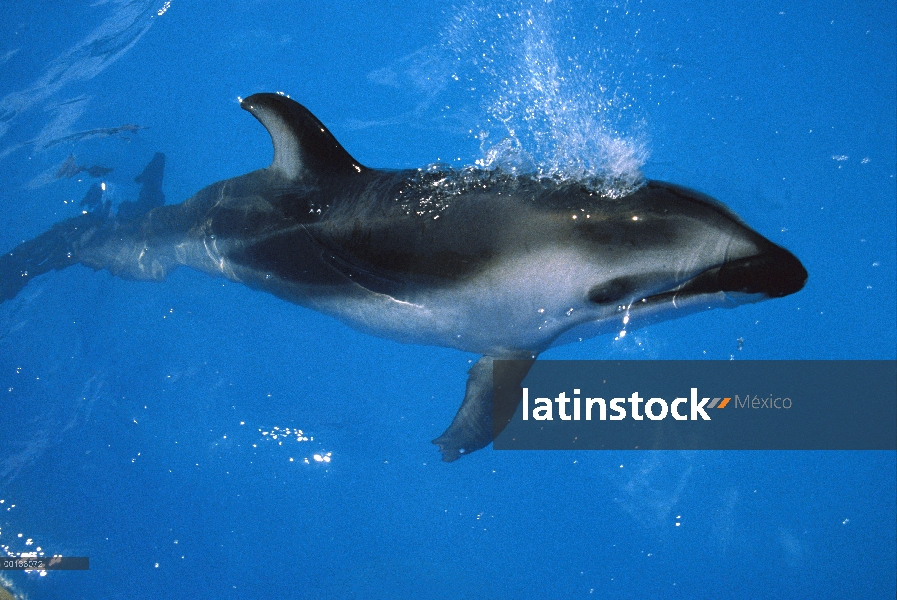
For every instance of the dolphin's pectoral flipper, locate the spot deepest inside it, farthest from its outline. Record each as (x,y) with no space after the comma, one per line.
(472,427)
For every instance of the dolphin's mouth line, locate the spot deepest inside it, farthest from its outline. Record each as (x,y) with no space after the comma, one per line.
(773,273)
(686,293)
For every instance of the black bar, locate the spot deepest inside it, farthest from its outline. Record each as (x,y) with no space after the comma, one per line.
(45,563)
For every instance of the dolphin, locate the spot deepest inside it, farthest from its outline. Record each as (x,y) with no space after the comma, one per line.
(501,265)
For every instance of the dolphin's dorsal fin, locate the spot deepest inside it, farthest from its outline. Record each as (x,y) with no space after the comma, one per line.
(303,147)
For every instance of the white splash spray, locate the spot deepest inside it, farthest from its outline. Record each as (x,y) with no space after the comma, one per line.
(553,109)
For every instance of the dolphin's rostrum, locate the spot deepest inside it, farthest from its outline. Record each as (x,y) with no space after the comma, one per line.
(483,261)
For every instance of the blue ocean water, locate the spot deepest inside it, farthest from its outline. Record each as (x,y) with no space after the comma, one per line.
(145,425)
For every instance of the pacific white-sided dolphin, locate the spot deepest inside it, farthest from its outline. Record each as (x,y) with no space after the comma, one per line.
(483,261)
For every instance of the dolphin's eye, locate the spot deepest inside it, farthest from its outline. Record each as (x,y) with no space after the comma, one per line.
(612,291)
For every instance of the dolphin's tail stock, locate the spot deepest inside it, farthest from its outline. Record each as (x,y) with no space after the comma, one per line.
(53,249)
(78,239)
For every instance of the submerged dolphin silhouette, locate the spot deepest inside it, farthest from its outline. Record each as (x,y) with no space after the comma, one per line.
(503,266)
